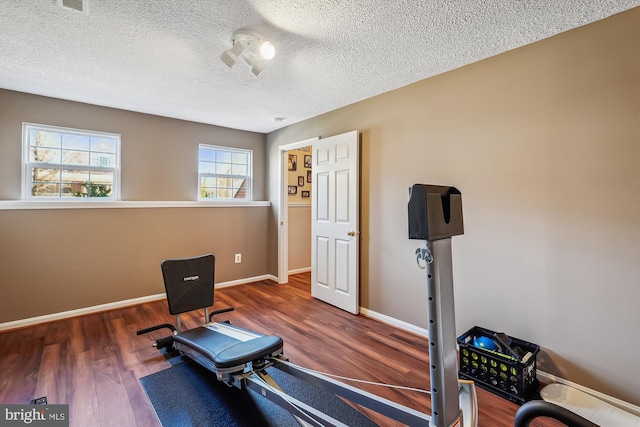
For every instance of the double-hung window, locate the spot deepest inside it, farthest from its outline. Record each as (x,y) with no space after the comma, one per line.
(224,173)
(62,163)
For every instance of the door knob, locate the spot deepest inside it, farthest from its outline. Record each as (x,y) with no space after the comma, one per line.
(353,233)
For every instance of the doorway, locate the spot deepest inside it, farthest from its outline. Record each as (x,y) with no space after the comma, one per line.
(335,237)
(290,173)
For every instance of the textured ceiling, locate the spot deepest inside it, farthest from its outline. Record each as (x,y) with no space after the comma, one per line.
(162,56)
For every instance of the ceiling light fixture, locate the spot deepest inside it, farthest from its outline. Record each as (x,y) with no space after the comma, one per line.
(252,48)
(81,6)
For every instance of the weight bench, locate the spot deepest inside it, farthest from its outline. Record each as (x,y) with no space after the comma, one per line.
(240,357)
(222,348)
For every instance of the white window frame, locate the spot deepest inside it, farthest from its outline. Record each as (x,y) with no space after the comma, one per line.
(27,165)
(249,177)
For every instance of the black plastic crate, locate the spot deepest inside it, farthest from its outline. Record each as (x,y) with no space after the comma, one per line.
(497,372)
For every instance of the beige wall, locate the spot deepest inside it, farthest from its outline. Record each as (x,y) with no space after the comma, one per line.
(159,155)
(544,143)
(56,260)
(299,237)
(63,259)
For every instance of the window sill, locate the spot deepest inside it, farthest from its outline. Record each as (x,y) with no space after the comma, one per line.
(95,204)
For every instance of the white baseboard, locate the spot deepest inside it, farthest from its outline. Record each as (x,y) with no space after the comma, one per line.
(299,270)
(625,406)
(6,326)
(246,280)
(15,324)
(394,322)
(542,376)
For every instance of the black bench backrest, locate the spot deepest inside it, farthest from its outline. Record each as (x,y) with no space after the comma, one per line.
(189,283)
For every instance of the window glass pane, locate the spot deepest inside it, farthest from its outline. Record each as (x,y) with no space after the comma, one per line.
(104,144)
(240,158)
(100,190)
(239,170)
(75,157)
(207,181)
(102,177)
(45,175)
(240,188)
(207,167)
(223,168)
(72,189)
(207,193)
(42,138)
(103,160)
(87,184)
(42,180)
(45,155)
(223,156)
(45,190)
(206,154)
(224,193)
(75,142)
(75,176)
(101,184)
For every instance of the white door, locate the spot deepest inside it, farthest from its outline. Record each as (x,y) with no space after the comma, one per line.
(335,235)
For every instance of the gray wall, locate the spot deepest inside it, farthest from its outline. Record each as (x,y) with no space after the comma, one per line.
(53,260)
(544,143)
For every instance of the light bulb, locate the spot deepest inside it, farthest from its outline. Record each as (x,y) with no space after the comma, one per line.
(267,50)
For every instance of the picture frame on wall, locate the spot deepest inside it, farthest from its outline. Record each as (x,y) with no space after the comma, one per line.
(307,161)
(301,181)
(293,190)
(305,193)
(293,162)
(309,177)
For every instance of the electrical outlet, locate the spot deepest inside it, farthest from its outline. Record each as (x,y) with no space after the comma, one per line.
(238,258)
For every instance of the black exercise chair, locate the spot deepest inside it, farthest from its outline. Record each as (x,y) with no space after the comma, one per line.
(221,347)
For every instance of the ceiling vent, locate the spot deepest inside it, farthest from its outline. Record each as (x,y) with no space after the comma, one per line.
(81,6)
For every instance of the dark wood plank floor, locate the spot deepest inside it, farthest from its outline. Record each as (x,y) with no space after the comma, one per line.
(94,362)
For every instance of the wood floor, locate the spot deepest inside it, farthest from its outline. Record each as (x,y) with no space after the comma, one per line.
(94,362)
